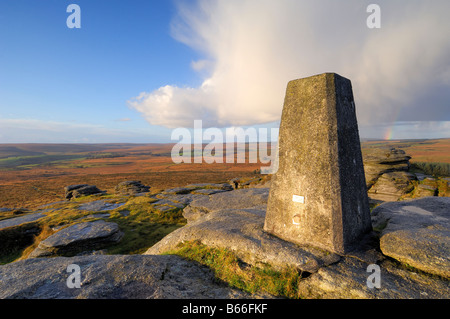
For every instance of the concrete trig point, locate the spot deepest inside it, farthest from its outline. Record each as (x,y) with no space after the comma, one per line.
(318,196)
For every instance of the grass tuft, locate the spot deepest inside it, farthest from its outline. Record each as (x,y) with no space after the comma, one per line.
(228,268)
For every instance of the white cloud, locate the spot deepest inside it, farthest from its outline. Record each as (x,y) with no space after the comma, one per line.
(252,48)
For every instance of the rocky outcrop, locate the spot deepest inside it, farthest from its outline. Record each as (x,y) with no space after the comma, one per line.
(241,231)
(18,232)
(378,161)
(386,172)
(131,188)
(112,277)
(242,198)
(413,232)
(251,182)
(99,206)
(180,197)
(348,279)
(330,275)
(12,222)
(392,186)
(416,233)
(75,191)
(410,246)
(78,238)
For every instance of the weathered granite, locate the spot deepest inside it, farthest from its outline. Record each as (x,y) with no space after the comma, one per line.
(241,230)
(99,206)
(131,188)
(112,277)
(11,222)
(75,191)
(416,232)
(347,279)
(378,161)
(391,186)
(318,195)
(240,198)
(78,238)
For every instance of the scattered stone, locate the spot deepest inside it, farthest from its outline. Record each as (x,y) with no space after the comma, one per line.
(416,232)
(99,205)
(113,277)
(77,238)
(241,198)
(131,188)
(75,191)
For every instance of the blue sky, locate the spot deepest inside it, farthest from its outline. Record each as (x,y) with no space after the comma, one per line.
(52,74)
(137,69)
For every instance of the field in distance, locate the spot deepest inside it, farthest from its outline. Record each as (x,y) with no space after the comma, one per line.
(35,174)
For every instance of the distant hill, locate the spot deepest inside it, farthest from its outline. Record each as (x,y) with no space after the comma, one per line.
(14,151)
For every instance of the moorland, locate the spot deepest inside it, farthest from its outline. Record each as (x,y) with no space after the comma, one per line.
(35,174)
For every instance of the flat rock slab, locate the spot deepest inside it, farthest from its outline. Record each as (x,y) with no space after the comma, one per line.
(99,206)
(417,233)
(79,237)
(16,221)
(237,199)
(241,230)
(348,278)
(112,277)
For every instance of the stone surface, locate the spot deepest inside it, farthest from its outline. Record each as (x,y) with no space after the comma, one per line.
(348,280)
(241,230)
(392,185)
(78,238)
(320,179)
(112,277)
(250,182)
(180,197)
(131,188)
(378,161)
(416,232)
(330,275)
(11,222)
(18,232)
(241,198)
(75,191)
(99,205)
